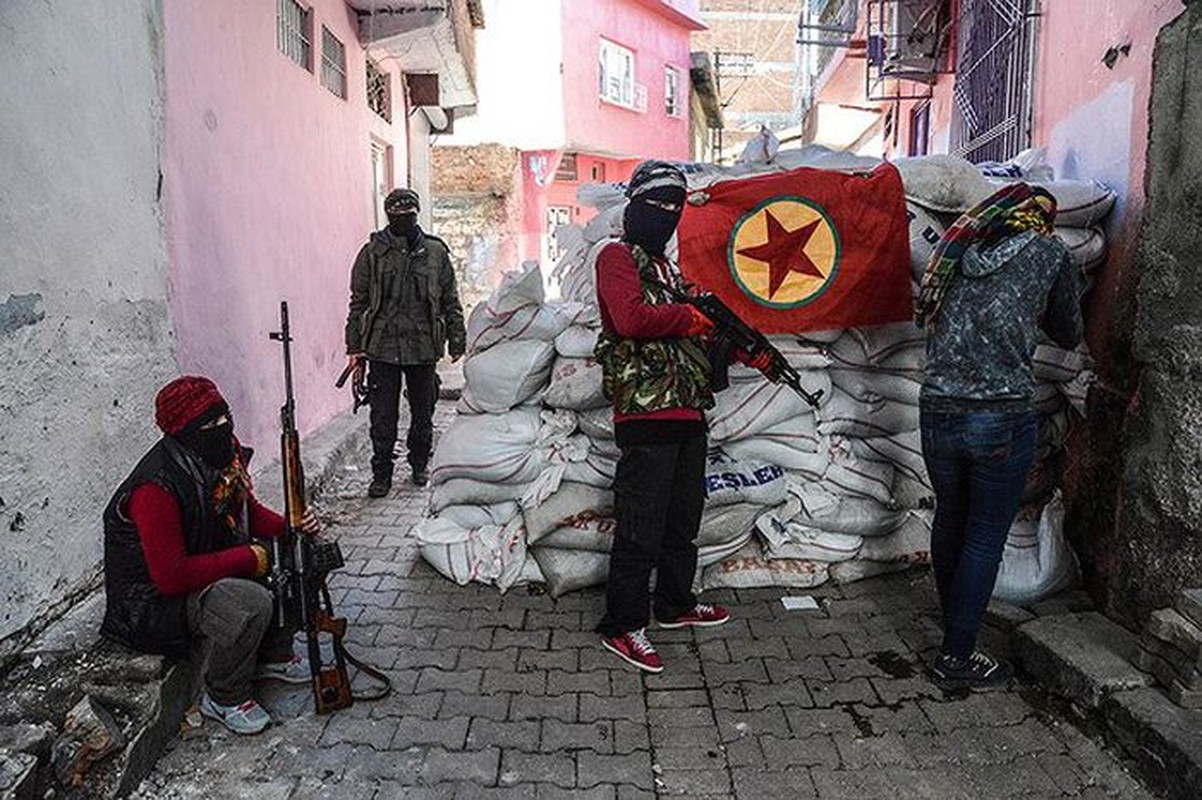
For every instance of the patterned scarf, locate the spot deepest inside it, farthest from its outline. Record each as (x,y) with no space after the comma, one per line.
(230,493)
(1011,210)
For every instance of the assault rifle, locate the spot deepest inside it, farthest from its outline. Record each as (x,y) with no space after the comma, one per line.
(300,564)
(730,331)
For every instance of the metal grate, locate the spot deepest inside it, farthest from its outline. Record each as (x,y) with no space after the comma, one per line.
(826,26)
(333,63)
(992,95)
(379,98)
(293,32)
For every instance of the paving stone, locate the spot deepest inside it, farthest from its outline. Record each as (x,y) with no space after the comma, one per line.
(365,765)
(594,707)
(426,657)
(975,710)
(558,768)
(443,620)
(448,733)
(474,637)
(905,716)
(877,782)
(595,682)
(749,671)
(421,706)
(536,639)
(785,785)
(476,766)
(506,735)
(558,736)
(897,690)
(633,769)
(810,668)
(688,717)
(681,757)
(630,736)
(789,693)
(695,783)
(744,753)
(562,707)
(1082,657)
(734,725)
(885,750)
(377,733)
(1006,616)
(530,660)
(805,722)
(505,658)
(826,646)
(433,679)
(857,690)
(502,680)
(816,750)
(677,698)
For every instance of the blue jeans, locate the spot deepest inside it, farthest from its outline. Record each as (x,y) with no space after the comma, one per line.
(978,463)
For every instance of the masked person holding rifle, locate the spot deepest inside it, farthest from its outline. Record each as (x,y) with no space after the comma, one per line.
(404,312)
(657,376)
(996,278)
(181,557)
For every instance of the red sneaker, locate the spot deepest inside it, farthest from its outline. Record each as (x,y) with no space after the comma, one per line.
(702,616)
(634,648)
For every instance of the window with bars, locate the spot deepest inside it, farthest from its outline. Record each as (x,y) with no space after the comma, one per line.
(379,98)
(671,92)
(566,171)
(333,63)
(294,32)
(617,74)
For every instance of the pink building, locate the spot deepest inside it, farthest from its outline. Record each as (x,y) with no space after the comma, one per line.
(583,91)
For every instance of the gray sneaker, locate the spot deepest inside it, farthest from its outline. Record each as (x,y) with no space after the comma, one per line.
(295,670)
(244,719)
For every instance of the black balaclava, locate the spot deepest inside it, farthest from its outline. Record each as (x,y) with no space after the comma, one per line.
(215,446)
(656,195)
(402,206)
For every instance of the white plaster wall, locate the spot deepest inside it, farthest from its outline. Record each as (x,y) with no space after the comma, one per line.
(420,167)
(84,333)
(519,82)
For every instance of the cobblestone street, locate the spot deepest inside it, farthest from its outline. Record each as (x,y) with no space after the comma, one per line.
(511,696)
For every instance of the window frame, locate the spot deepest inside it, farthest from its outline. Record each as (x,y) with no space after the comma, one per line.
(295,41)
(672,106)
(329,67)
(625,85)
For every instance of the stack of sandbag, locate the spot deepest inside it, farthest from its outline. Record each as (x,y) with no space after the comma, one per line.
(795,496)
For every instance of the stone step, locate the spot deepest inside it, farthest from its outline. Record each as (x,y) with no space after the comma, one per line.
(1164,738)
(1083,657)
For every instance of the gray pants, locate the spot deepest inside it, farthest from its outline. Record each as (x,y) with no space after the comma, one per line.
(233,617)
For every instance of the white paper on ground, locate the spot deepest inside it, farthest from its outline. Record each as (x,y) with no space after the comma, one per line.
(804,602)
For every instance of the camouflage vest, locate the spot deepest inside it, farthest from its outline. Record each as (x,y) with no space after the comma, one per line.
(643,375)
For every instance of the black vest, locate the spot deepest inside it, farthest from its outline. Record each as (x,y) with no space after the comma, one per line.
(137,615)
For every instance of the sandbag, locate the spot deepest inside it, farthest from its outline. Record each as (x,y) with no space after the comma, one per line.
(519,287)
(721,525)
(816,506)
(746,409)
(872,386)
(1037,561)
(1079,204)
(467,492)
(846,416)
(852,571)
(544,321)
(577,341)
(902,450)
(606,225)
(747,568)
(568,570)
(596,423)
(507,374)
(728,480)
(713,553)
(898,346)
(568,503)
(575,385)
(943,182)
(782,453)
(911,493)
(477,516)
(788,539)
(490,448)
(910,543)
(588,530)
(491,554)
(801,354)
(1087,246)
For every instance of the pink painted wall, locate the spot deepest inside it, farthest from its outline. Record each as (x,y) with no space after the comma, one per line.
(267,185)
(658,38)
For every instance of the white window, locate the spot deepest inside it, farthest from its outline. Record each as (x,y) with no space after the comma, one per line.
(294,32)
(671,92)
(617,74)
(556,216)
(333,63)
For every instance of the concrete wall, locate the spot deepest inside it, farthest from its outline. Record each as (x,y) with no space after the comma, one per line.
(84,334)
(1158,544)
(518,81)
(269,197)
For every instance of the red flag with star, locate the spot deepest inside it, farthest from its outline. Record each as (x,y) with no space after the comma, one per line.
(804,250)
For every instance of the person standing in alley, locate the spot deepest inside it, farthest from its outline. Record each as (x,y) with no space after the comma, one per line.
(404,312)
(997,277)
(183,549)
(657,376)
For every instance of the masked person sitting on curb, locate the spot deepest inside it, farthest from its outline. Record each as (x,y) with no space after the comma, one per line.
(656,373)
(180,557)
(404,312)
(997,277)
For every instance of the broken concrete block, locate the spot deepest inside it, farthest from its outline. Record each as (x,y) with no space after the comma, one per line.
(18,775)
(1169,626)
(1186,698)
(1070,602)
(1083,657)
(25,737)
(1166,739)
(1167,673)
(89,734)
(1189,605)
(1006,616)
(1165,650)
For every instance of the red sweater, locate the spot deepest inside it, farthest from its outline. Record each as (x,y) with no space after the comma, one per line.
(626,313)
(174,572)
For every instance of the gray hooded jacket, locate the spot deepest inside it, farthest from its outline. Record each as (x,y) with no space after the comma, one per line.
(980,348)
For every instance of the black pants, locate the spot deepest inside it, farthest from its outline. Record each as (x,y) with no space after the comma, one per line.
(384,391)
(658,499)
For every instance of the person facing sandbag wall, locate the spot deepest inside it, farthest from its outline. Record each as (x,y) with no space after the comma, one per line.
(996,277)
(656,374)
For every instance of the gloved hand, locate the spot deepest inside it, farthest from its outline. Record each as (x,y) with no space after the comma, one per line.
(701,325)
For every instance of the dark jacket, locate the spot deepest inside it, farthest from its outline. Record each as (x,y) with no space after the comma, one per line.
(404,306)
(984,338)
(137,615)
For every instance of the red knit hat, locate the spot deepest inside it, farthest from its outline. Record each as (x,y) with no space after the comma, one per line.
(183,400)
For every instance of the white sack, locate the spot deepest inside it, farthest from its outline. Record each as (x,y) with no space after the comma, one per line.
(902,450)
(724,524)
(845,415)
(490,554)
(490,448)
(926,228)
(748,568)
(871,386)
(506,375)
(1087,246)
(783,453)
(788,539)
(746,409)
(1079,204)
(1051,363)
(575,384)
(728,480)
(570,502)
(519,287)
(569,570)
(943,182)
(909,544)
(713,553)
(477,516)
(815,505)
(1037,561)
(852,571)
(596,423)
(544,322)
(467,492)
(587,531)
(577,341)
(597,469)
(606,225)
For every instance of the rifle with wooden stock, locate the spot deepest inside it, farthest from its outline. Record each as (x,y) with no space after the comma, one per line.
(301,562)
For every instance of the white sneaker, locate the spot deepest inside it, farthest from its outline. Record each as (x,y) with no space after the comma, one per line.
(244,719)
(295,670)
